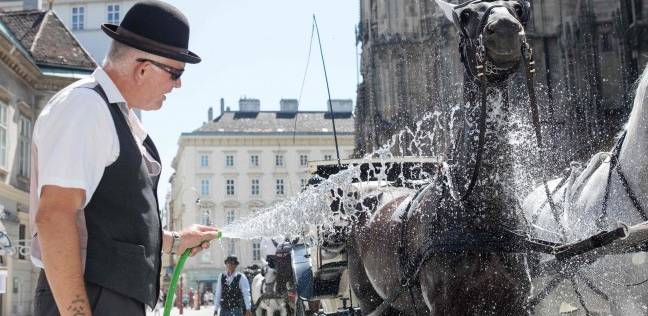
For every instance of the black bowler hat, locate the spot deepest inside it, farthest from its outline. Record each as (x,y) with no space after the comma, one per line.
(157,28)
(231,259)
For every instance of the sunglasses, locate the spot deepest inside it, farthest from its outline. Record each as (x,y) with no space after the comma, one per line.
(174,72)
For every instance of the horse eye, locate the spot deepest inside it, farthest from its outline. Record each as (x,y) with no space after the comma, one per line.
(465,16)
(518,10)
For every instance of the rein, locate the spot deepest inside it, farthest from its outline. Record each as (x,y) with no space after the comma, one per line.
(615,165)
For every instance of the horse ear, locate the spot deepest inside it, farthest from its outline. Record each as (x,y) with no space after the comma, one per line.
(295,241)
(275,243)
(447,8)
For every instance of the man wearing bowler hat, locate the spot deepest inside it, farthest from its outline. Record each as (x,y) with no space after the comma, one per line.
(97,234)
(232,295)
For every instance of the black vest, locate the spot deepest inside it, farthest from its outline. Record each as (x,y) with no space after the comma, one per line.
(123,221)
(232,297)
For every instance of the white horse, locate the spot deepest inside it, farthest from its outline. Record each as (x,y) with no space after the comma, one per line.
(613,284)
(264,284)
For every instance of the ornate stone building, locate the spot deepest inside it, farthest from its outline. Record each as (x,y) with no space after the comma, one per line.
(245,160)
(588,56)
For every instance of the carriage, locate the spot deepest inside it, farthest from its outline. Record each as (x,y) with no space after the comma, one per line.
(316,281)
(320,269)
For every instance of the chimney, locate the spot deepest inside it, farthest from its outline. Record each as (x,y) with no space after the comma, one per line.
(222,106)
(288,105)
(249,105)
(32,4)
(341,105)
(210,114)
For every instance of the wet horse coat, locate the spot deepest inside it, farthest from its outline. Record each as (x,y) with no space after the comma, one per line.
(603,286)
(455,280)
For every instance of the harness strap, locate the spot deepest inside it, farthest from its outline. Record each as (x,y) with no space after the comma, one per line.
(402,244)
(482,133)
(529,64)
(386,304)
(630,192)
(614,159)
(615,165)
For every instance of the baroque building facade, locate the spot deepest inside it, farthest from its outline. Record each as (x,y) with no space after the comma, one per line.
(245,160)
(588,55)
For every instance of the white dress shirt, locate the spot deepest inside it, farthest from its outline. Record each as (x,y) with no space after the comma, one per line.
(74,140)
(244,285)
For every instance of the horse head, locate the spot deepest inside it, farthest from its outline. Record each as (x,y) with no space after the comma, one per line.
(282,261)
(492,34)
(270,275)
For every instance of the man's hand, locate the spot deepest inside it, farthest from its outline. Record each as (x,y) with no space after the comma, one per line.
(196,235)
(248,312)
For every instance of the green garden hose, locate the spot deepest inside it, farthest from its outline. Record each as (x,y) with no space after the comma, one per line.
(168,304)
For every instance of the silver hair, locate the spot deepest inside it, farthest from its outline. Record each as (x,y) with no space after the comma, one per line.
(122,57)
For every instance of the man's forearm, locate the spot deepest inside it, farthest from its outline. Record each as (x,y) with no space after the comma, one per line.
(61,255)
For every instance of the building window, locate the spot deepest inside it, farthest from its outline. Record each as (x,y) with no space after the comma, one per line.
(3,135)
(24,145)
(204,160)
(78,18)
(256,251)
(279,160)
(113,13)
(229,160)
(22,234)
(231,247)
(254,160)
(16,282)
(303,160)
(328,157)
(255,187)
(279,188)
(303,183)
(229,186)
(231,216)
(204,187)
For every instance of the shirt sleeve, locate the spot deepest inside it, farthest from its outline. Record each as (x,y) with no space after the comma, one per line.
(75,138)
(245,288)
(217,294)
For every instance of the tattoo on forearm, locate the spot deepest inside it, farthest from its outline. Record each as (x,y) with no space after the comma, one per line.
(78,307)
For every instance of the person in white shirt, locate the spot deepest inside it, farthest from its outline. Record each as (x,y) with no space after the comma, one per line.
(232,291)
(96,224)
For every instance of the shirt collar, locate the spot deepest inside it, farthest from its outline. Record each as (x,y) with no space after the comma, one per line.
(109,87)
(114,96)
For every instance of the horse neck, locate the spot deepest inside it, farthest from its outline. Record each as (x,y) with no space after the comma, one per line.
(635,144)
(497,144)
(493,195)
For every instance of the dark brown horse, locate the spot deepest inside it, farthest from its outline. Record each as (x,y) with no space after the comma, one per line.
(440,255)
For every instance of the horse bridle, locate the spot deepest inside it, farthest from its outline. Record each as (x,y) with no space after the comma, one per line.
(476,43)
(466,44)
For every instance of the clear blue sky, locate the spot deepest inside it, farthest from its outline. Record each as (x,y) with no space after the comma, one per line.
(256,49)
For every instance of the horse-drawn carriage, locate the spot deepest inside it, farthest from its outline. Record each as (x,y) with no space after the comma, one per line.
(460,241)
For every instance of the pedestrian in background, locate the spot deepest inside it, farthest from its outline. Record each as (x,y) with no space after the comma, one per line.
(232,295)
(93,192)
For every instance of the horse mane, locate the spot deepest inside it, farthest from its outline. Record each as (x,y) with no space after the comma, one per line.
(640,95)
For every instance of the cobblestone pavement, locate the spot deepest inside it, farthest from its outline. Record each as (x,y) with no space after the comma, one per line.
(204,311)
